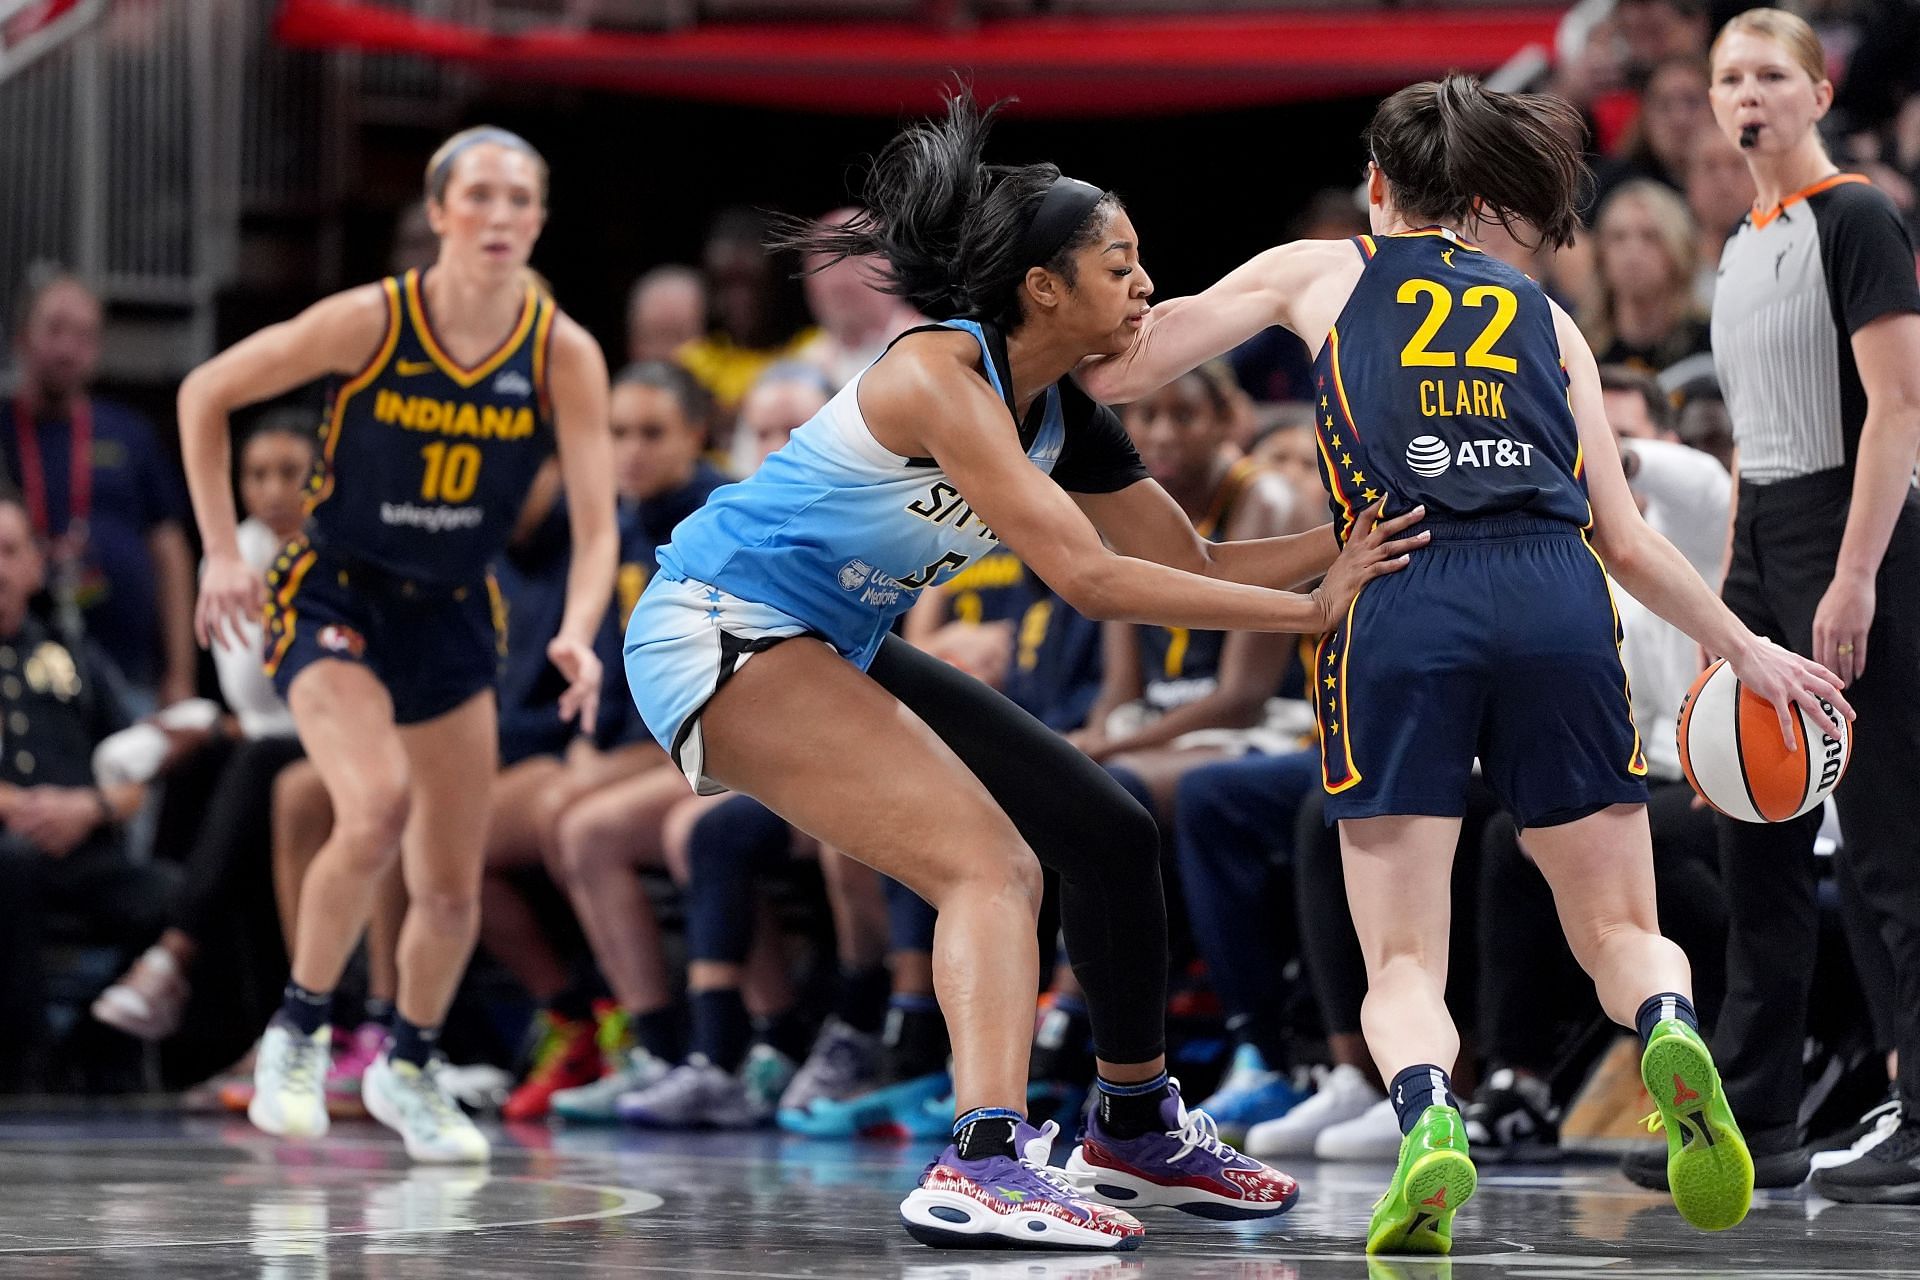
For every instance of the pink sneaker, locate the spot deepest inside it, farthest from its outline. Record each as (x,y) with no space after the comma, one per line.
(352,1052)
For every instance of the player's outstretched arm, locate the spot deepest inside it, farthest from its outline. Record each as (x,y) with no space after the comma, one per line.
(1655,573)
(1187,332)
(341,334)
(579,390)
(976,443)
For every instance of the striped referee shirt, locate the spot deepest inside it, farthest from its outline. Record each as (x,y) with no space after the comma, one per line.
(1796,283)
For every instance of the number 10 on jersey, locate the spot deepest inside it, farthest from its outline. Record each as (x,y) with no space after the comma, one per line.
(453,470)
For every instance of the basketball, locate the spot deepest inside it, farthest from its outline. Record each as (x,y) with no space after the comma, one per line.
(1731,750)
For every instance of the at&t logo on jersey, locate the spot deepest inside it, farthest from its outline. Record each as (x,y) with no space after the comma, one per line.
(1432,456)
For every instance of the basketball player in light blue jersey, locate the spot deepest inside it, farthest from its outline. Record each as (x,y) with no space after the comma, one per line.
(760,655)
(1449,380)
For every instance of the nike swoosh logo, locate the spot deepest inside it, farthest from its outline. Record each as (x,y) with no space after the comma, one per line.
(407,368)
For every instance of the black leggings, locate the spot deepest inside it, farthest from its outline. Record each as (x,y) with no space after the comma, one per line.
(1080,823)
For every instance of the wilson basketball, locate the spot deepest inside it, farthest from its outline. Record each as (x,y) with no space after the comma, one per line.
(1732,752)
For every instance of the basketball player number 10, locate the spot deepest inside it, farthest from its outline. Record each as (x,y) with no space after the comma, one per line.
(452,472)
(1439,306)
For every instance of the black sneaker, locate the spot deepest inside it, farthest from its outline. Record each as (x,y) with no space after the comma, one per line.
(1778,1170)
(1887,1172)
(1512,1118)
(1840,1147)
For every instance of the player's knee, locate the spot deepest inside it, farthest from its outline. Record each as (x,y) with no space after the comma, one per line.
(367,831)
(1009,873)
(1128,841)
(583,846)
(447,909)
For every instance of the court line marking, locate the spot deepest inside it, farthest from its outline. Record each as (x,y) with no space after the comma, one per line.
(630,1201)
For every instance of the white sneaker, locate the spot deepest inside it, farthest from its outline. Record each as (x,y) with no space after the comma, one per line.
(844,1062)
(594,1103)
(1374,1134)
(416,1105)
(289,1082)
(1345,1093)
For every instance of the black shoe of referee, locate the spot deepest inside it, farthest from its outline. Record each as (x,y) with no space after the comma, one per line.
(1888,1172)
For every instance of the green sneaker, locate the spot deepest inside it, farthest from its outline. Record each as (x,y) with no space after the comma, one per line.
(1434,1178)
(1708,1166)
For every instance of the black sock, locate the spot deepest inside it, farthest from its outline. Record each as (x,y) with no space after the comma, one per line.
(305,1011)
(1657,1009)
(862,999)
(1420,1086)
(722,1031)
(986,1131)
(1131,1110)
(788,1032)
(1063,1044)
(661,1033)
(377,1011)
(574,1003)
(914,1043)
(411,1042)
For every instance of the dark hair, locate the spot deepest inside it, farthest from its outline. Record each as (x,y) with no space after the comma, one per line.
(1458,153)
(1620,377)
(695,401)
(287,420)
(949,225)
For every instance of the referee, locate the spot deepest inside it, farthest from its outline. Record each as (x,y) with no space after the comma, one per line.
(1816,337)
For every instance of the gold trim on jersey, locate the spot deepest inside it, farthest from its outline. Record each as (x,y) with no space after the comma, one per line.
(278,616)
(542,341)
(1331,715)
(1637,763)
(320,487)
(467,377)
(497,606)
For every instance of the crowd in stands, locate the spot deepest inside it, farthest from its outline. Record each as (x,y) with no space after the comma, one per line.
(678,960)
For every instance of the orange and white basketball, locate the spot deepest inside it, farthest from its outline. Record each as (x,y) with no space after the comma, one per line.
(1732,752)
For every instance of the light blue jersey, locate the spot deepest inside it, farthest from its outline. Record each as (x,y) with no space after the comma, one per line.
(842,534)
(833,537)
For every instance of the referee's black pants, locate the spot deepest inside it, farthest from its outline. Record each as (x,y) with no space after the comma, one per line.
(1786,540)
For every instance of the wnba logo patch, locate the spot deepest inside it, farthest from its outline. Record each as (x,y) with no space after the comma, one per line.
(338,639)
(1428,456)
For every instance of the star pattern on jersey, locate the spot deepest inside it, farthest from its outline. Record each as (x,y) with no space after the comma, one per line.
(1330,658)
(1369,496)
(1323,399)
(713,616)
(1330,682)
(1346,459)
(1358,478)
(1336,439)
(713,595)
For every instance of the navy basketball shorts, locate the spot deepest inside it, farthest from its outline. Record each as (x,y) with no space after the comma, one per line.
(433,645)
(1499,642)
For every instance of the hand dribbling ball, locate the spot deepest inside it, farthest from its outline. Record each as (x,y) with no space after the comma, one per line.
(1733,755)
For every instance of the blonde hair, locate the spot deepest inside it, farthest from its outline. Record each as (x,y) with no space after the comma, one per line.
(1789,30)
(440,165)
(1673,223)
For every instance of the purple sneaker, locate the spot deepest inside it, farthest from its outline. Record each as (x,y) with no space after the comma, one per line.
(1185,1167)
(1002,1203)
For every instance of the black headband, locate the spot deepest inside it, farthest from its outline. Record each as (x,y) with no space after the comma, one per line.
(1066,205)
(437,178)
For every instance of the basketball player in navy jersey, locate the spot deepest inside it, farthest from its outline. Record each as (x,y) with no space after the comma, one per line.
(382,632)
(761,656)
(1446,379)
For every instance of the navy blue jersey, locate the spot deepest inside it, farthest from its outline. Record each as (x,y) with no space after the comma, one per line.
(424,464)
(1442,383)
(996,587)
(1179,665)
